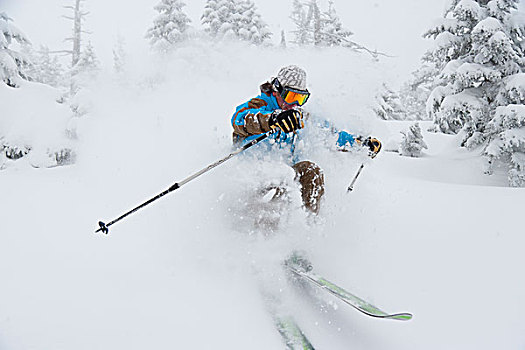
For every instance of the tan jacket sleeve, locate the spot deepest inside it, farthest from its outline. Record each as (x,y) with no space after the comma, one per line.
(254,123)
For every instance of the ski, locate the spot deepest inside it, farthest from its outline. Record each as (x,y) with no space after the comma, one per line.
(292,335)
(302,268)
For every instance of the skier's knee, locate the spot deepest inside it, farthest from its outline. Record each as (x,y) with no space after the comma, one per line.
(311,178)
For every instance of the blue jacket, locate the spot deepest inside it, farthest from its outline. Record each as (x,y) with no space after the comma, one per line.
(251,119)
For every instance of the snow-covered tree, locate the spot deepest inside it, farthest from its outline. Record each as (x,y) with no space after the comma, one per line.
(45,68)
(473,53)
(283,40)
(86,68)
(452,33)
(302,24)
(506,131)
(234,19)
(78,17)
(170,26)
(389,106)
(210,17)
(251,27)
(119,55)
(314,13)
(332,31)
(314,26)
(415,92)
(14,151)
(88,61)
(479,51)
(12,62)
(412,143)
(36,125)
(308,22)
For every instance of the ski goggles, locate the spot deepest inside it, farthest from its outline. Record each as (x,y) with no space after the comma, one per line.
(293,96)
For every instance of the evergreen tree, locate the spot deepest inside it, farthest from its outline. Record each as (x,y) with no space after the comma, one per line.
(46,69)
(251,27)
(389,105)
(479,56)
(88,62)
(170,26)
(86,68)
(234,19)
(283,40)
(302,23)
(229,13)
(119,55)
(15,65)
(333,33)
(210,18)
(506,131)
(413,142)
(415,92)
(12,62)
(316,27)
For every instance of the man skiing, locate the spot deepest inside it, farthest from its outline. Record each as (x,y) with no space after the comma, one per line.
(279,107)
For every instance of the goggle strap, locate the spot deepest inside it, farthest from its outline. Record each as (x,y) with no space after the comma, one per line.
(277,85)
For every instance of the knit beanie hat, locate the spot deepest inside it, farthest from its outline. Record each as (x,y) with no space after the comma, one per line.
(293,77)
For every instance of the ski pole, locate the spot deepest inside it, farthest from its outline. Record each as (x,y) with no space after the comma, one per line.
(104,227)
(351,187)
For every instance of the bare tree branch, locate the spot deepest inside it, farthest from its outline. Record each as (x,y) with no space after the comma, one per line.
(353,45)
(57,51)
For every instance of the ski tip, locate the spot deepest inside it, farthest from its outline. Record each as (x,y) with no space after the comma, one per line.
(401,317)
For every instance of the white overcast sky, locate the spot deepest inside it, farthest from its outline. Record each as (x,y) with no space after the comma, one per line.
(386,25)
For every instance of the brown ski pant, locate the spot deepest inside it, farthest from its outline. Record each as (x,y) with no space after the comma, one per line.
(311,178)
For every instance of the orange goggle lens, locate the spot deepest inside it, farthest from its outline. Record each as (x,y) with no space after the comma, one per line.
(296,97)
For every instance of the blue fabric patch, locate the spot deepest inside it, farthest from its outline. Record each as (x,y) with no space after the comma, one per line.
(345,138)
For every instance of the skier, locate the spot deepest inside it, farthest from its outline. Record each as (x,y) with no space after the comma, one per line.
(279,106)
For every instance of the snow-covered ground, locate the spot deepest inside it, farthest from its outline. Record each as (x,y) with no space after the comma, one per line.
(432,235)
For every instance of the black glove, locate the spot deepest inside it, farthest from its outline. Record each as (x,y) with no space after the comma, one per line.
(287,121)
(373,144)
